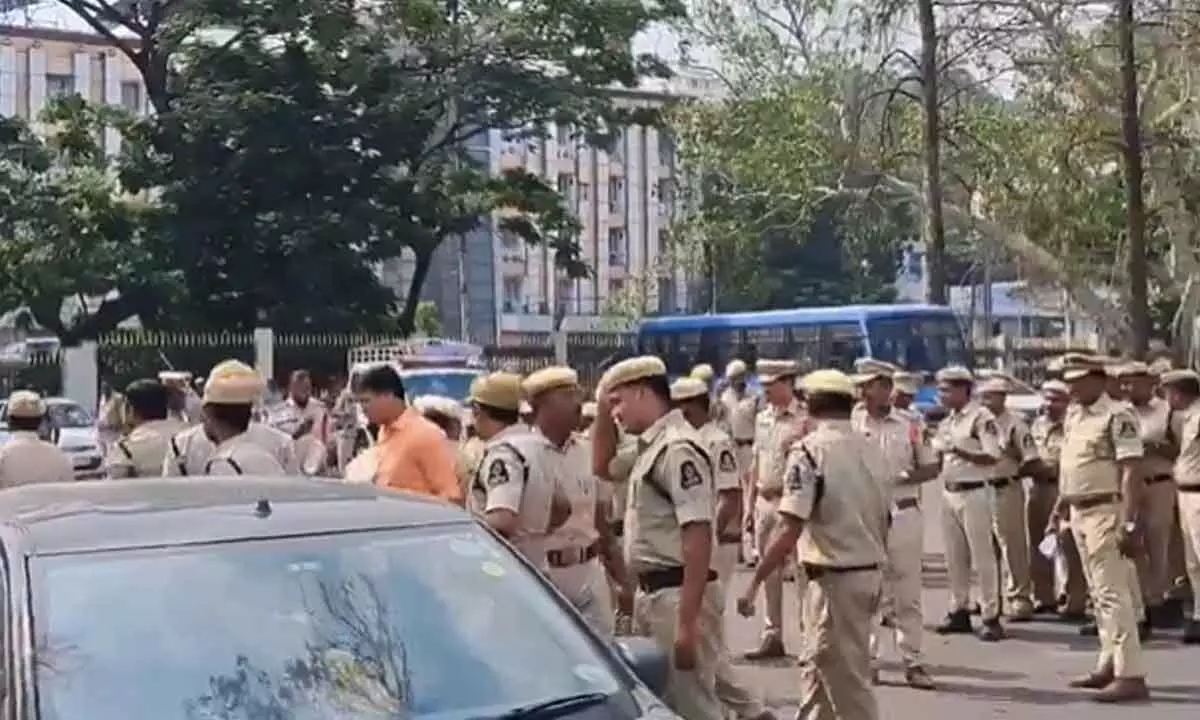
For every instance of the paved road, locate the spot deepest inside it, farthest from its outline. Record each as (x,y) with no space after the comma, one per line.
(1023,677)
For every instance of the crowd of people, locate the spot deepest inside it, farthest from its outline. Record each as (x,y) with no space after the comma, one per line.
(639,502)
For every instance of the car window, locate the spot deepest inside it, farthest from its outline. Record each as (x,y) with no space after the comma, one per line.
(455,385)
(69,415)
(438,623)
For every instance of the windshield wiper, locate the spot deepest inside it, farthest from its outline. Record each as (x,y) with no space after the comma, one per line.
(556,707)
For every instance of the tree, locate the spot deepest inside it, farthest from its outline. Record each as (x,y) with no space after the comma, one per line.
(427,321)
(79,253)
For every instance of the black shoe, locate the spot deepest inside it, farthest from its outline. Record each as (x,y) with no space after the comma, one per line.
(974,609)
(1191,632)
(1089,629)
(1145,632)
(956,623)
(1172,613)
(991,630)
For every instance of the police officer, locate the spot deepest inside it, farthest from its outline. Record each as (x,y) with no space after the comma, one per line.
(1018,459)
(140,453)
(910,463)
(1182,389)
(904,391)
(1100,484)
(578,552)
(836,515)
(229,397)
(691,396)
(777,421)
(1047,431)
(587,416)
(669,535)
(512,489)
(189,451)
(968,443)
(26,459)
(738,408)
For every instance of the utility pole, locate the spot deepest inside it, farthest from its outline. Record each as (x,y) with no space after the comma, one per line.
(1135,202)
(934,225)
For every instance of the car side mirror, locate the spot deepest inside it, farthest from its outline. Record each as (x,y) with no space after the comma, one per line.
(647,660)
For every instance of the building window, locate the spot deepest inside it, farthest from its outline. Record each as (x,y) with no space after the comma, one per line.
(616,193)
(666,295)
(664,239)
(616,289)
(131,96)
(618,247)
(617,152)
(512,294)
(565,183)
(59,85)
(509,240)
(585,191)
(666,148)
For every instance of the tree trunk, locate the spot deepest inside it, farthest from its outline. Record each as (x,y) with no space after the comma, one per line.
(421,266)
(933,227)
(1135,202)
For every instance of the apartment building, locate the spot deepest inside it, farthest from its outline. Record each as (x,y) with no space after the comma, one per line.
(38,64)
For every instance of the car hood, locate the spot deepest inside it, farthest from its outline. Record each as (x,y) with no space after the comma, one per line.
(78,437)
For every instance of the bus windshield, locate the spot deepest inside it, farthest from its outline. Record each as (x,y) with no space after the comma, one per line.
(920,344)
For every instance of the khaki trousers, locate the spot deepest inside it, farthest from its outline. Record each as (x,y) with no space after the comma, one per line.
(901,600)
(1112,579)
(766,520)
(1012,541)
(690,693)
(835,662)
(1189,525)
(1159,524)
(745,456)
(729,690)
(586,586)
(967,533)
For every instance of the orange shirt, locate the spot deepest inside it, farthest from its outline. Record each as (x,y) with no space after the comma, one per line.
(414,455)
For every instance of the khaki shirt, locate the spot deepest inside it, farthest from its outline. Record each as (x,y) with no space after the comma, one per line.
(902,442)
(837,483)
(242,455)
(26,459)
(726,473)
(1016,446)
(344,415)
(467,457)
(1187,465)
(189,451)
(972,429)
(571,465)
(1154,420)
(1097,438)
(513,476)
(772,426)
(141,453)
(738,413)
(619,469)
(1048,439)
(670,486)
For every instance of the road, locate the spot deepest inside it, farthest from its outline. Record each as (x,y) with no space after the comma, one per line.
(1023,677)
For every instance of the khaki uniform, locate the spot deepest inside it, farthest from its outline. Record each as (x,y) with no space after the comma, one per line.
(619,469)
(1187,483)
(1017,448)
(671,486)
(189,451)
(310,447)
(513,476)
(838,483)
(772,426)
(901,441)
(1043,495)
(573,550)
(26,459)
(1097,438)
(242,455)
(110,420)
(967,506)
(1157,512)
(727,477)
(344,421)
(363,468)
(467,457)
(141,453)
(740,412)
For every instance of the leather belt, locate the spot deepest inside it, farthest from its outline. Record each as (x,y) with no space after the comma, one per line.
(957,487)
(907,503)
(815,572)
(770,493)
(1090,501)
(1159,479)
(729,539)
(1188,488)
(651,581)
(569,557)
(743,443)
(1000,483)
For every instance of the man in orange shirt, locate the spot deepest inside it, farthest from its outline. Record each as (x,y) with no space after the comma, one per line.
(412,452)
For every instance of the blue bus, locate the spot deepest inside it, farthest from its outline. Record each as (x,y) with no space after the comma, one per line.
(920,338)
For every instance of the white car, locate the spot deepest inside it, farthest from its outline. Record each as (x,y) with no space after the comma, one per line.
(77,435)
(1023,398)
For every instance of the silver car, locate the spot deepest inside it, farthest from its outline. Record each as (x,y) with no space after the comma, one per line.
(76,431)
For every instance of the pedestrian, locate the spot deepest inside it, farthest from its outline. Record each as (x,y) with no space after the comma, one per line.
(835,513)
(26,459)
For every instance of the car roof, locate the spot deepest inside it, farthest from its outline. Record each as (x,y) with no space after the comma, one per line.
(55,518)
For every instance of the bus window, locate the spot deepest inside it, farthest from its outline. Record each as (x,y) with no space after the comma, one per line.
(918,344)
(844,344)
(805,346)
(718,347)
(770,343)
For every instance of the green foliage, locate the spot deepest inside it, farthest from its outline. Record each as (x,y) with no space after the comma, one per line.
(428,320)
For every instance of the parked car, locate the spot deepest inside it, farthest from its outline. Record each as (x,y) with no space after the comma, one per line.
(76,432)
(282,597)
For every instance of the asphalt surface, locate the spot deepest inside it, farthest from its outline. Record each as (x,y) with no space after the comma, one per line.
(1025,676)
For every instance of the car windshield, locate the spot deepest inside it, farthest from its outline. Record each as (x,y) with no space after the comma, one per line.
(454,384)
(919,344)
(433,623)
(69,415)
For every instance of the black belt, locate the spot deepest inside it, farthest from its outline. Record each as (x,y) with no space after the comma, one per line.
(1050,482)
(816,572)
(729,539)
(1090,501)
(743,443)
(1159,479)
(1000,483)
(968,486)
(617,528)
(574,556)
(907,503)
(651,581)
(1188,488)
